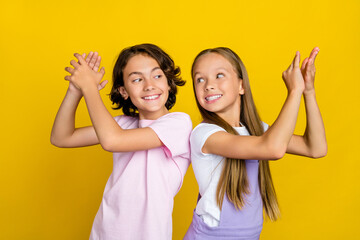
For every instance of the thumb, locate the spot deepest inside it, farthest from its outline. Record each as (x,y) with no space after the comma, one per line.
(102,84)
(296,61)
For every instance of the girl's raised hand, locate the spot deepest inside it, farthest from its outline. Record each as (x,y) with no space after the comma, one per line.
(85,72)
(308,70)
(292,76)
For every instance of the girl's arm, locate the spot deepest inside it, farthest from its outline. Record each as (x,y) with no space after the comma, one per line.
(273,143)
(64,133)
(313,142)
(110,135)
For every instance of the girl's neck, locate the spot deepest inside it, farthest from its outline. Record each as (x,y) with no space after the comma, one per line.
(231,114)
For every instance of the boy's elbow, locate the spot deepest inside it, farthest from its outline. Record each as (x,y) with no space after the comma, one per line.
(107,146)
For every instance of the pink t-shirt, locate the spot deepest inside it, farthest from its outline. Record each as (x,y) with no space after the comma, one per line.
(139,195)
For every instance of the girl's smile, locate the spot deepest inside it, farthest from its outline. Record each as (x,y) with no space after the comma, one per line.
(217,86)
(213,98)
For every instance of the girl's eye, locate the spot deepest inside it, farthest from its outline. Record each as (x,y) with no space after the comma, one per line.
(158,76)
(220,75)
(199,80)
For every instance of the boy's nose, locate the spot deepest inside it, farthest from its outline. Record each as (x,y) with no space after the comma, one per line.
(148,85)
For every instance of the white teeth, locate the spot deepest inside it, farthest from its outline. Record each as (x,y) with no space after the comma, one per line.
(213,97)
(151,97)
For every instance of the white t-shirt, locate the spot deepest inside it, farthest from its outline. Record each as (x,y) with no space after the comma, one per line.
(207,169)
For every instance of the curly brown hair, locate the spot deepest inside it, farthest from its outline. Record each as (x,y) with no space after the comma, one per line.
(166,64)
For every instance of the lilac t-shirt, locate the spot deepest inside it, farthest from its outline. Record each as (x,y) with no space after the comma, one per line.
(207,169)
(138,197)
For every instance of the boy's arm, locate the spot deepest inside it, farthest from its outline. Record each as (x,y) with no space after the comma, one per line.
(110,135)
(313,142)
(64,133)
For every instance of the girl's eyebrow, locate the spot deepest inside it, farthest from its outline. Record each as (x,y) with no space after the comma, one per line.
(217,69)
(140,73)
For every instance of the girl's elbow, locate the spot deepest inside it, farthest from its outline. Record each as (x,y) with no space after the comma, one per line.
(54,141)
(276,152)
(320,153)
(279,153)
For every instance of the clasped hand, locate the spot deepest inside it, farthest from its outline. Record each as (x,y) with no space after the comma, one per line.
(301,79)
(85,74)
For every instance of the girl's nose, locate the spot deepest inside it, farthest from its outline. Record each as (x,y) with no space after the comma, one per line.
(209,86)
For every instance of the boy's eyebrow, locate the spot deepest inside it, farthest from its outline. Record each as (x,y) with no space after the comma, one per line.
(140,73)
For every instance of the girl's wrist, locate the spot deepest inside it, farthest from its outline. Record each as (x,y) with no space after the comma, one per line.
(309,92)
(295,91)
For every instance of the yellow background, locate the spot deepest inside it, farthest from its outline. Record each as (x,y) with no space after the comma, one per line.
(52,193)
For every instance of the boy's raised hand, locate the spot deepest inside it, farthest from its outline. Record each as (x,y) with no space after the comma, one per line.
(308,70)
(85,71)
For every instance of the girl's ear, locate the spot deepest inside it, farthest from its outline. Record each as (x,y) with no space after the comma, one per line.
(241,89)
(123,92)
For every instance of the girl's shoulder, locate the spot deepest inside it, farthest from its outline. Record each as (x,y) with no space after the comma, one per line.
(202,131)
(207,127)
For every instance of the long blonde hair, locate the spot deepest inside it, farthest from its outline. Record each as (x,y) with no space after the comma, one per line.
(233,180)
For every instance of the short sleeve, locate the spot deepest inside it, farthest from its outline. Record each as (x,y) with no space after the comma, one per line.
(265,126)
(199,136)
(174,130)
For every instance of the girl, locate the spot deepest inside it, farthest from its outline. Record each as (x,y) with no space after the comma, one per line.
(234,191)
(150,145)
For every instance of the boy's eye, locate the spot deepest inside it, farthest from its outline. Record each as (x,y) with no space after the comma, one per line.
(136,80)
(199,80)
(220,75)
(158,76)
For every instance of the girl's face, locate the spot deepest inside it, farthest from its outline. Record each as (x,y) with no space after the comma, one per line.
(217,85)
(146,85)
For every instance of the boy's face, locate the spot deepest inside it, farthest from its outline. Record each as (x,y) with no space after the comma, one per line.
(146,85)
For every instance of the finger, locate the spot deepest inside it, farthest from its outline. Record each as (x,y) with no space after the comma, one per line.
(102,71)
(102,84)
(303,65)
(313,55)
(97,64)
(70,70)
(93,60)
(89,57)
(83,55)
(80,59)
(75,64)
(68,78)
(296,61)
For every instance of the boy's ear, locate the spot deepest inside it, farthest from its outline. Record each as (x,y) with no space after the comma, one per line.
(123,92)
(241,89)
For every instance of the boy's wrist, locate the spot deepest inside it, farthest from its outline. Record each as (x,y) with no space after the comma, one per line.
(75,93)
(89,88)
